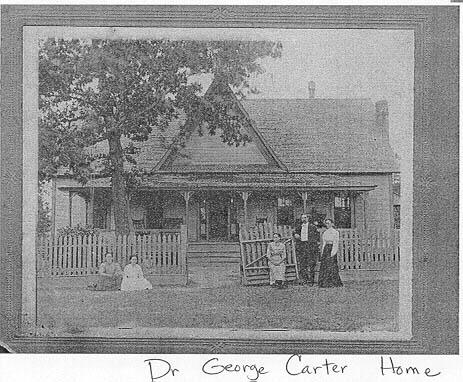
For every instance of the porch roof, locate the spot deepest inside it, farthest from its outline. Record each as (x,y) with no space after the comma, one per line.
(178,181)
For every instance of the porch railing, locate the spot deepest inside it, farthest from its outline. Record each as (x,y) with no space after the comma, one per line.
(159,253)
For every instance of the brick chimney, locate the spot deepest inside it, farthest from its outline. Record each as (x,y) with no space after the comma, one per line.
(311,89)
(382,118)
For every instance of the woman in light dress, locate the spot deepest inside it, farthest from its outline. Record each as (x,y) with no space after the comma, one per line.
(133,277)
(276,255)
(329,271)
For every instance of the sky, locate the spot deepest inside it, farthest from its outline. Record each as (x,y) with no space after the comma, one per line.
(343,63)
(374,64)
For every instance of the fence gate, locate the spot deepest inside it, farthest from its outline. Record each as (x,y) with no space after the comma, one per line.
(253,245)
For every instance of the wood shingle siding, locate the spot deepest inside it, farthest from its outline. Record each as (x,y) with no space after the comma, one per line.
(209,150)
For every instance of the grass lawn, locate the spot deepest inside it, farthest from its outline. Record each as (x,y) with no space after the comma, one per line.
(65,307)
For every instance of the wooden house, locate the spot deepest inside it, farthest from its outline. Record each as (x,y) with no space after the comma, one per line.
(328,157)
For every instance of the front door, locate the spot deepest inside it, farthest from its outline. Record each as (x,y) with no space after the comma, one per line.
(218,218)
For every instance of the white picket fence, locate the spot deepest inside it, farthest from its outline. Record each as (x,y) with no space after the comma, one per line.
(158,253)
(372,249)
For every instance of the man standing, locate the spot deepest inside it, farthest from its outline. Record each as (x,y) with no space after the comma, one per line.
(307,249)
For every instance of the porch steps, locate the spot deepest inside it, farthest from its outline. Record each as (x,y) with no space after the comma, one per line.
(213,253)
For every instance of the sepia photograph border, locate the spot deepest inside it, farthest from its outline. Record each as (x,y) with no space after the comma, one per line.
(435,167)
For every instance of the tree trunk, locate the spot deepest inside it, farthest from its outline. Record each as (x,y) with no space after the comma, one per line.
(118,187)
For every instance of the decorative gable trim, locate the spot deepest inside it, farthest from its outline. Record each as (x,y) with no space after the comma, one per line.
(256,136)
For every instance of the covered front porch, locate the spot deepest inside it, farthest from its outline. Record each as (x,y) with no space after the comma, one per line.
(215,207)
(218,215)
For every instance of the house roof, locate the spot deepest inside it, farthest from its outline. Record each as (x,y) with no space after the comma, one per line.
(324,135)
(238,181)
(306,135)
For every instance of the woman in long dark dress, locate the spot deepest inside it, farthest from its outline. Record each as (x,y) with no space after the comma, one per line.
(329,271)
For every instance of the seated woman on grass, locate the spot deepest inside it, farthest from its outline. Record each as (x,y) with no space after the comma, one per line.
(133,277)
(109,275)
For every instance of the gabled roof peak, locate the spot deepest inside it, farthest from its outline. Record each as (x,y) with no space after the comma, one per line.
(260,153)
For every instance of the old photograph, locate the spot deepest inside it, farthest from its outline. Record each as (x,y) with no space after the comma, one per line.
(231,179)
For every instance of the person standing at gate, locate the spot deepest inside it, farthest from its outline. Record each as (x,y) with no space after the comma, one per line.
(307,249)
(276,256)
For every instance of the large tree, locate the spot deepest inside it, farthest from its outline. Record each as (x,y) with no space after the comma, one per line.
(116,91)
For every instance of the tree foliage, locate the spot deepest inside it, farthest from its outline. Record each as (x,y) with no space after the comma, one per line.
(118,91)
(43,216)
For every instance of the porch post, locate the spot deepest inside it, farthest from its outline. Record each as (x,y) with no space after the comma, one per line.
(364,201)
(245,196)
(353,218)
(331,205)
(91,203)
(129,213)
(71,195)
(304,195)
(229,220)
(187,195)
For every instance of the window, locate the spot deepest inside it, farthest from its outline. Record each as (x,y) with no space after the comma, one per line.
(172,223)
(155,210)
(233,216)
(101,210)
(261,219)
(285,212)
(342,212)
(202,220)
(397,216)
